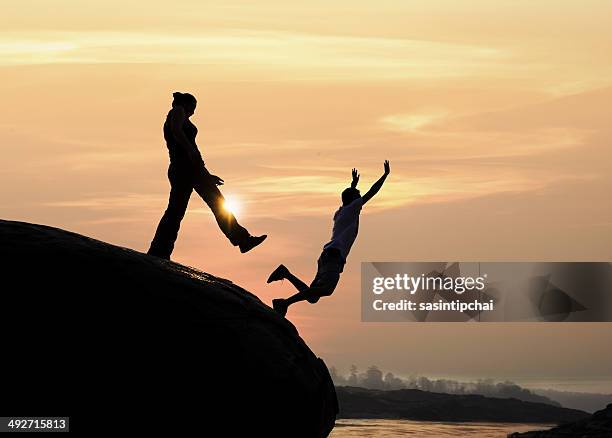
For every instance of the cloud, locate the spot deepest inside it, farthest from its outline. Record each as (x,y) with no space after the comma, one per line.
(111,202)
(411,122)
(301,55)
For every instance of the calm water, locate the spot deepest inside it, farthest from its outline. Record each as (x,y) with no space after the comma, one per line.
(405,428)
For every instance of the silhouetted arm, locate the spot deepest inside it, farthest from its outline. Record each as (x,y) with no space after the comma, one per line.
(378,184)
(177,119)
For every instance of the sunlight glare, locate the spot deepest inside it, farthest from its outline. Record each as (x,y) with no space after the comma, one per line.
(232,205)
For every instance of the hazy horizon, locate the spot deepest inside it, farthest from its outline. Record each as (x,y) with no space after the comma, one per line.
(585,386)
(494,115)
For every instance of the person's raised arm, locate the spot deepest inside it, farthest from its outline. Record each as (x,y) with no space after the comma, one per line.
(378,184)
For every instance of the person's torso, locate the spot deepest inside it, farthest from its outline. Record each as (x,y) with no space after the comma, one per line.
(344,232)
(178,155)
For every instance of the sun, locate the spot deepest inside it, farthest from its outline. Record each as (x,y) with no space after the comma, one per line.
(232,205)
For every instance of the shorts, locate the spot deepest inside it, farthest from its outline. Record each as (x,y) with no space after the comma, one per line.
(329,267)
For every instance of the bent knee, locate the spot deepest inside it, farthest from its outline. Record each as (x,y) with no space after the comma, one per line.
(315,296)
(313,299)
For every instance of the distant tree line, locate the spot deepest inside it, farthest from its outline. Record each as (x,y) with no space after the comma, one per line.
(374,378)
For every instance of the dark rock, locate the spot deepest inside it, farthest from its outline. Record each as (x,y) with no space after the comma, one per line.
(414,404)
(599,425)
(117,339)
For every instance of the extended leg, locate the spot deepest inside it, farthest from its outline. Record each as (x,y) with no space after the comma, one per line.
(296,282)
(211,194)
(296,298)
(323,285)
(282,273)
(310,294)
(170,223)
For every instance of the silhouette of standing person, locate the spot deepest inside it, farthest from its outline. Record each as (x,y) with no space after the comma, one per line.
(332,259)
(186,173)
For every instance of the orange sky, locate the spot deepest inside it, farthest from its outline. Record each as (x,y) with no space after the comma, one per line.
(495,116)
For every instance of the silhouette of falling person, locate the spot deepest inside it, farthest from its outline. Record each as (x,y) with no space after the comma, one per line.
(332,259)
(186,173)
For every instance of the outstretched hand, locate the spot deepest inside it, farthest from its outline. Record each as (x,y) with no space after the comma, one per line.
(387,167)
(355,175)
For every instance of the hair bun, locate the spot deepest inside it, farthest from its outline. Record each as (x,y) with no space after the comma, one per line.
(183,99)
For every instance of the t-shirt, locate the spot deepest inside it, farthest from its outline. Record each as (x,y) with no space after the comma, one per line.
(346,226)
(178,155)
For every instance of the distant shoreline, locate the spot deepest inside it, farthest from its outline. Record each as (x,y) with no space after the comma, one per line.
(417,405)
